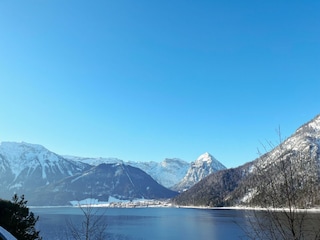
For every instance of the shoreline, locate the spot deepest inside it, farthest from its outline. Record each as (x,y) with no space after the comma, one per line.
(165,203)
(316,210)
(169,205)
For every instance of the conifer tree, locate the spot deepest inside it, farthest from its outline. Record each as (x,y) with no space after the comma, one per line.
(17,219)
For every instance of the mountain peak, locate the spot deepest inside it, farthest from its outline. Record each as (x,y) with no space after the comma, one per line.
(199,169)
(205,157)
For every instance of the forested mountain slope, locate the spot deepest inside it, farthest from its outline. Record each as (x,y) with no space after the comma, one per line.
(292,167)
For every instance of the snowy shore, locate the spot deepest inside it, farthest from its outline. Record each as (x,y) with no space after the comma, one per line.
(146,203)
(315,210)
(118,203)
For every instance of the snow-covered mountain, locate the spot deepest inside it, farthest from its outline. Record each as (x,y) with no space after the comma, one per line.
(172,173)
(168,172)
(25,166)
(29,168)
(94,161)
(296,158)
(48,178)
(199,169)
(101,182)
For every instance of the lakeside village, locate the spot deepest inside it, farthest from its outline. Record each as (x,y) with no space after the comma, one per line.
(117,203)
(153,203)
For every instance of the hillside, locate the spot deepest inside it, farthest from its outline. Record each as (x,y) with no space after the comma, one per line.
(291,166)
(117,180)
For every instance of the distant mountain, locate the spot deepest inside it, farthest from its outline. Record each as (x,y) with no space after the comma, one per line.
(101,182)
(93,161)
(244,186)
(47,178)
(24,167)
(215,189)
(168,172)
(199,169)
(172,173)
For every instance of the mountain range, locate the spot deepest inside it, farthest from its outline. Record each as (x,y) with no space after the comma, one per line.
(47,178)
(117,180)
(172,173)
(290,168)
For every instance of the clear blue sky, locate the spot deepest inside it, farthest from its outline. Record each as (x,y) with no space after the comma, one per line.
(145,80)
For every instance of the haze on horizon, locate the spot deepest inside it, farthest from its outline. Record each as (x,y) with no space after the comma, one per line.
(144,81)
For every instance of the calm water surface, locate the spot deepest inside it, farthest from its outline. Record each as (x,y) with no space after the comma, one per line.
(148,223)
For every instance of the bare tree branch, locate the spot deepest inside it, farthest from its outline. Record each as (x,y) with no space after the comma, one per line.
(288,180)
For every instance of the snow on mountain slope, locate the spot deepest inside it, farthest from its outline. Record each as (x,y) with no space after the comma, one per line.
(199,169)
(101,182)
(168,172)
(94,161)
(21,155)
(305,138)
(301,151)
(171,171)
(296,159)
(26,166)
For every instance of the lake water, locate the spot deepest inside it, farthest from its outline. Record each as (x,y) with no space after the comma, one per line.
(147,223)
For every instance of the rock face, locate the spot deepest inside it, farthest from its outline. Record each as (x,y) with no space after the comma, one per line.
(199,169)
(300,154)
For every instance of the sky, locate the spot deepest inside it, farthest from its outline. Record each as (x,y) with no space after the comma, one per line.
(149,80)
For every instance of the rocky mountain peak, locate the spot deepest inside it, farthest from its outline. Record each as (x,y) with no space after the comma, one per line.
(203,166)
(206,160)
(204,157)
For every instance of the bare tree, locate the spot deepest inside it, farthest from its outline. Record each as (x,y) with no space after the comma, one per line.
(93,226)
(286,181)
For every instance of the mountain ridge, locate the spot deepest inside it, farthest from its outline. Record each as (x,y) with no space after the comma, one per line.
(24,166)
(171,171)
(31,169)
(243,185)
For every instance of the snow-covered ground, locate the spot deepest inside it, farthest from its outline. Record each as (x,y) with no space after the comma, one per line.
(118,203)
(316,210)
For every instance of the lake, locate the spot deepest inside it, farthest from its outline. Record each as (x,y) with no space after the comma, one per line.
(147,223)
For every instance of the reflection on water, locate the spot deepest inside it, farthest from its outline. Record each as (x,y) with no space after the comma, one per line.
(148,223)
